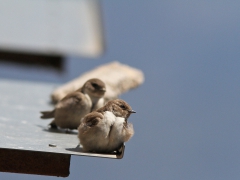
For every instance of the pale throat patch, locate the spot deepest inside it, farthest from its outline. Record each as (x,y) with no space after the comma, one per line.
(109,117)
(112,119)
(88,98)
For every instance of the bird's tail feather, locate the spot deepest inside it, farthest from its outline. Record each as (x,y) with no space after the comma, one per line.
(47,114)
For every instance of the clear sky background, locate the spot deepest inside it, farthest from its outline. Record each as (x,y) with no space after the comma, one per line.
(187,125)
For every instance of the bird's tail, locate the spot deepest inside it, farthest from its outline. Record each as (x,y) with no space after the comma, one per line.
(47,114)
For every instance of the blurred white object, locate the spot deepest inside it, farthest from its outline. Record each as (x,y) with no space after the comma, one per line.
(55,27)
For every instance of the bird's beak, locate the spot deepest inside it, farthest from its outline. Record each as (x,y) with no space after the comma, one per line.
(132,111)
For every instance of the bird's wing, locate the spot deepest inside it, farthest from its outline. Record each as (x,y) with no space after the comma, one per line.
(92,122)
(70,100)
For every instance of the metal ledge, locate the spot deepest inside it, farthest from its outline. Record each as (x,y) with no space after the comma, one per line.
(26,142)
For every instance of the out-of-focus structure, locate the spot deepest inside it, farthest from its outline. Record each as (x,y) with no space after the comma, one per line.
(56,27)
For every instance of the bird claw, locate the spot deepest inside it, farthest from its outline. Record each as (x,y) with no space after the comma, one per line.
(53,126)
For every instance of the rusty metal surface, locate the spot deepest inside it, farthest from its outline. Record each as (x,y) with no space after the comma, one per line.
(21,127)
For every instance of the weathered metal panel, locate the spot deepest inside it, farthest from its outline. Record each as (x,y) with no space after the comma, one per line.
(21,128)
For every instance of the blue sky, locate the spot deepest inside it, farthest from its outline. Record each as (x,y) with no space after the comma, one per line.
(187,120)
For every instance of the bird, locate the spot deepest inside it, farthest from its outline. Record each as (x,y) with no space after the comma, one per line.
(95,89)
(106,129)
(69,111)
(74,106)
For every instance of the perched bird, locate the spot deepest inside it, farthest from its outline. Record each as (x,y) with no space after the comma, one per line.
(96,89)
(107,128)
(73,107)
(69,111)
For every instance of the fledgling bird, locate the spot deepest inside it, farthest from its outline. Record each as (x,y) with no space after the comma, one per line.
(96,89)
(73,107)
(69,111)
(107,128)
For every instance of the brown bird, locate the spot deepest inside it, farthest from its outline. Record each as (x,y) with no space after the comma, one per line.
(73,107)
(107,128)
(69,111)
(96,89)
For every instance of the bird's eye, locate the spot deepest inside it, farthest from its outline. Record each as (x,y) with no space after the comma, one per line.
(94,85)
(122,106)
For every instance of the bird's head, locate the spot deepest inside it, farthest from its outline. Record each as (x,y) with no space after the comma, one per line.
(94,87)
(120,108)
